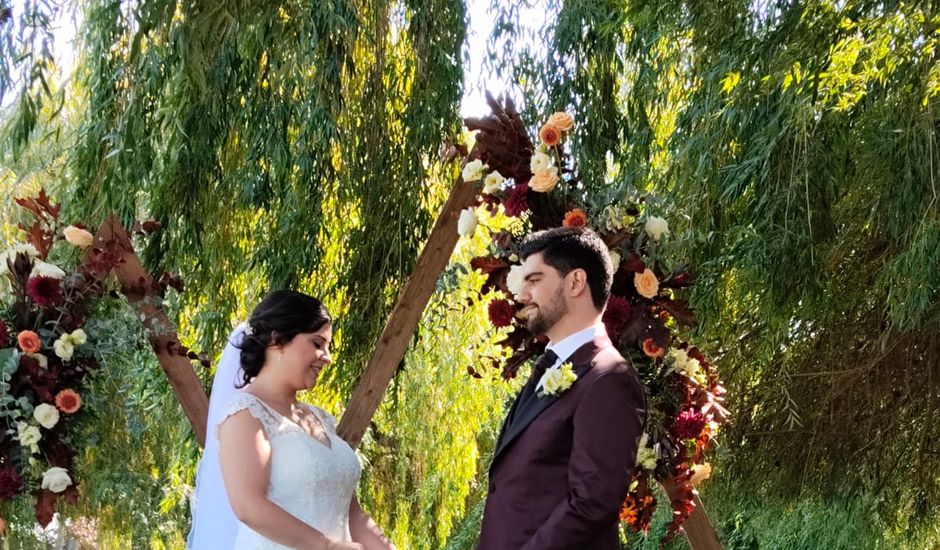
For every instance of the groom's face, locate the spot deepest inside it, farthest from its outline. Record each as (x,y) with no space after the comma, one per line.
(542,295)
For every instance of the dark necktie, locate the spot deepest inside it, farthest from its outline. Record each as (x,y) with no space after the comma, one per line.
(528,394)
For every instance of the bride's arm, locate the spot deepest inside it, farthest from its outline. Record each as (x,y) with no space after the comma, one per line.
(244,454)
(364,530)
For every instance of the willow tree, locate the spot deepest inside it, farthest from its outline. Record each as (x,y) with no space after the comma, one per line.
(795,147)
(291,144)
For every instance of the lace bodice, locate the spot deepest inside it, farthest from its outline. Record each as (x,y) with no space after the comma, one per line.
(309,480)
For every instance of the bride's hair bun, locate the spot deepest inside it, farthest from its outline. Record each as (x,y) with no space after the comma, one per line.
(282,315)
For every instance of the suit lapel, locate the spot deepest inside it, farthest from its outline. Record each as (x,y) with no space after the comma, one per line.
(524,415)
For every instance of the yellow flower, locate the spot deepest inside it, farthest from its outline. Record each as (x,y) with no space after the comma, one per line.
(557,380)
(544,180)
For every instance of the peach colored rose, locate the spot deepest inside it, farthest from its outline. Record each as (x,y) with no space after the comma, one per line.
(550,135)
(647,285)
(77,236)
(544,181)
(28,341)
(562,120)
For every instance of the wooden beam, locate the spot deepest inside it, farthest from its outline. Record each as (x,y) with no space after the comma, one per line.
(403,321)
(697,527)
(160,330)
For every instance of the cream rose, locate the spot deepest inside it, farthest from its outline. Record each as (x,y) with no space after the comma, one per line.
(544,180)
(77,236)
(700,472)
(467,223)
(562,120)
(42,269)
(78,337)
(29,436)
(615,259)
(540,161)
(64,348)
(514,280)
(656,228)
(14,251)
(645,456)
(473,170)
(56,479)
(646,283)
(494,180)
(47,415)
(41,359)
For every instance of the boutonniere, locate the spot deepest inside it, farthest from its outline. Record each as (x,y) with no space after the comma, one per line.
(557,380)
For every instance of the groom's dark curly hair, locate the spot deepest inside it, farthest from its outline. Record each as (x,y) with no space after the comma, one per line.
(570,248)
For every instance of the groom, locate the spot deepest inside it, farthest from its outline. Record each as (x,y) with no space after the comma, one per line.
(566,450)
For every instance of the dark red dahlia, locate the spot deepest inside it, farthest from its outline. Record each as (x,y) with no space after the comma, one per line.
(516,202)
(4,335)
(501,313)
(616,315)
(45,291)
(10,483)
(689,424)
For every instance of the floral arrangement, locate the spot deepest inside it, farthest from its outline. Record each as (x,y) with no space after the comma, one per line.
(46,353)
(539,185)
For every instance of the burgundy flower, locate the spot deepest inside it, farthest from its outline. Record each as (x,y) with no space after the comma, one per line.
(516,202)
(4,335)
(10,483)
(45,291)
(616,315)
(501,313)
(689,424)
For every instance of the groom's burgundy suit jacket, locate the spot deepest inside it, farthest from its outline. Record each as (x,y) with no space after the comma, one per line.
(562,464)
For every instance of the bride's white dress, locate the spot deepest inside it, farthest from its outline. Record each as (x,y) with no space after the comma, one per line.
(309,480)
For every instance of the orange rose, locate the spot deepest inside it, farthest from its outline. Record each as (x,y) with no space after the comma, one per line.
(575,218)
(550,134)
(562,120)
(652,349)
(544,181)
(28,341)
(68,401)
(646,283)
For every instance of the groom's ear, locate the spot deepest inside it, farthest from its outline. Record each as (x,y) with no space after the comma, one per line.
(577,282)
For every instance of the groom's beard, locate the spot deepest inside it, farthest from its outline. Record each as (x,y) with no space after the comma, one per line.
(546,315)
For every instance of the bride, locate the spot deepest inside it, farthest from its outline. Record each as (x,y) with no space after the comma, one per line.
(289,478)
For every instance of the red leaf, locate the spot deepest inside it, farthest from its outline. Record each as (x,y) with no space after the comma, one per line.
(488,264)
(45,507)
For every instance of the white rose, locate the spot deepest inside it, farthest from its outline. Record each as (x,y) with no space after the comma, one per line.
(494,180)
(615,259)
(656,227)
(539,162)
(63,347)
(14,251)
(47,415)
(42,269)
(78,337)
(78,237)
(473,170)
(514,280)
(28,435)
(56,479)
(41,359)
(467,223)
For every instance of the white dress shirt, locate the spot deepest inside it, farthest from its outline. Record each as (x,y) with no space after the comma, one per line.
(565,348)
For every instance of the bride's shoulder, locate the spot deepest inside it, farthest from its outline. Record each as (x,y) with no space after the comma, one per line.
(244,401)
(326,417)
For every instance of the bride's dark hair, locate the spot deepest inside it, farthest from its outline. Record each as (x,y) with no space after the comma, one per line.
(282,315)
